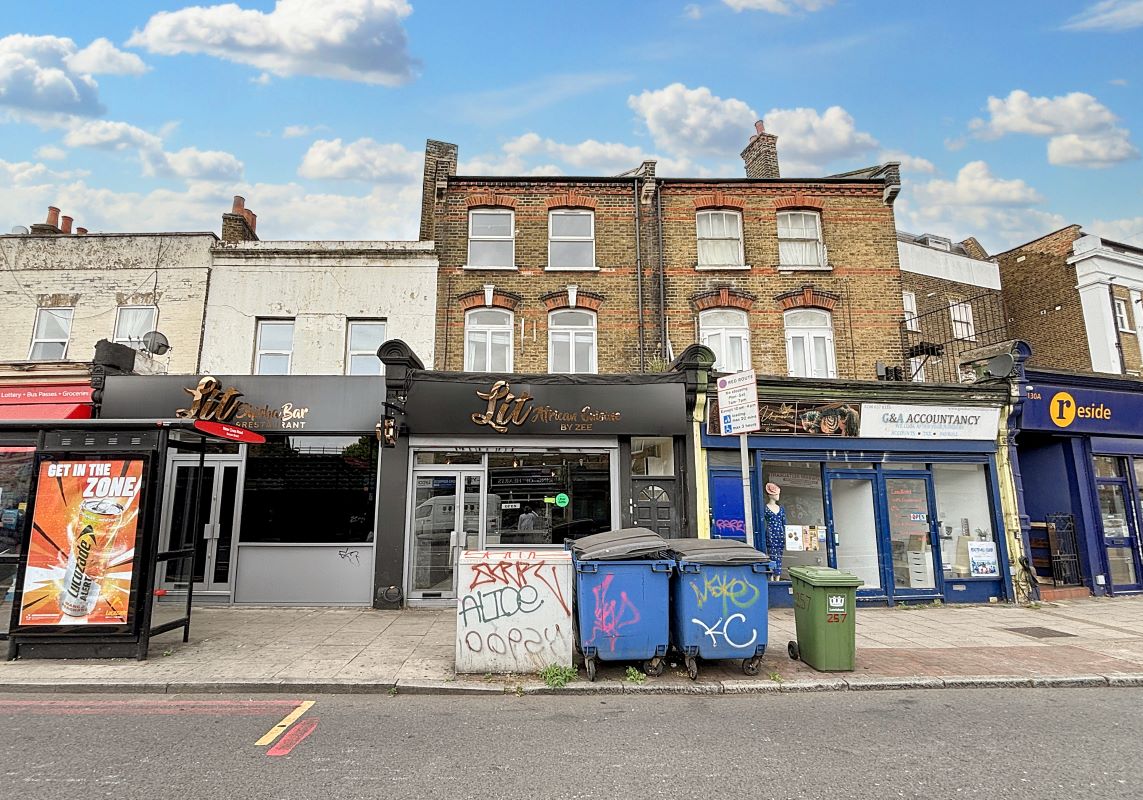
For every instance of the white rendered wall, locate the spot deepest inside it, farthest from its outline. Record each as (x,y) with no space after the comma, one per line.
(1098,267)
(923,260)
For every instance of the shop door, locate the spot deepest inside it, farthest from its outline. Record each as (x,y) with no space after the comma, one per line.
(914,549)
(852,515)
(1120,534)
(212,540)
(448,513)
(653,506)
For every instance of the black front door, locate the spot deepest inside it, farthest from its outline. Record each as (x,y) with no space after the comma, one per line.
(654,504)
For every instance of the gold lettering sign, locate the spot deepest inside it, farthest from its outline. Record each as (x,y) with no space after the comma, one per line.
(504,408)
(209,401)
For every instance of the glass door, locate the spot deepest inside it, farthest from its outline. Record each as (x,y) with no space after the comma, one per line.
(1120,524)
(912,533)
(212,538)
(852,528)
(447,516)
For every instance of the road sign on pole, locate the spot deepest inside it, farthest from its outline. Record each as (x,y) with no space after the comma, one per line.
(738,414)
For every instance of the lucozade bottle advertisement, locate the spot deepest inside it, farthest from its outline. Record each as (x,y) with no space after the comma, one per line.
(81,554)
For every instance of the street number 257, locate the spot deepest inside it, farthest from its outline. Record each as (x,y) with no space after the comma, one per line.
(836,617)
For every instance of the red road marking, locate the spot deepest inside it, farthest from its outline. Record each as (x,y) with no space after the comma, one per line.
(293,737)
(144,707)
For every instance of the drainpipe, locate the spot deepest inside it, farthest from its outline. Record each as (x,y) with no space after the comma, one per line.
(662,271)
(639,275)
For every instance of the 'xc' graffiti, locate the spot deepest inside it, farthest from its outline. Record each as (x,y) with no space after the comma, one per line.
(722,629)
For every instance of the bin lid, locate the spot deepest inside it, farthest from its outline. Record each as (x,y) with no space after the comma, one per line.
(619,544)
(825,576)
(715,551)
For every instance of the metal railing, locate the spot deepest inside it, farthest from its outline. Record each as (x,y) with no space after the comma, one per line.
(935,342)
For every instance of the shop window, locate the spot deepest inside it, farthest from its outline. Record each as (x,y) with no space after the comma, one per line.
(571,239)
(1108,466)
(802,498)
(275,347)
(723,458)
(719,239)
(652,456)
(132,323)
(963,326)
(909,300)
(51,334)
(541,499)
(572,342)
(809,344)
(310,490)
(726,332)
(16,465)
(492,238)
(800,240)
(363,339)
(488,340)
(427,458)
(964,508)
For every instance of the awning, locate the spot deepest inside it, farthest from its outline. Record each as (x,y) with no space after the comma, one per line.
(46,411)
(46,401)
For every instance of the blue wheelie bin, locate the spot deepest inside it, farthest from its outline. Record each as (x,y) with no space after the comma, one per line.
(719,602)
(622,587)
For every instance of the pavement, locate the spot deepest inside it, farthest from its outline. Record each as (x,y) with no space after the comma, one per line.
(1090,642)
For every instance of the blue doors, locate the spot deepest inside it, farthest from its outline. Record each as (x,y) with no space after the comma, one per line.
(1120,514)
(728,516)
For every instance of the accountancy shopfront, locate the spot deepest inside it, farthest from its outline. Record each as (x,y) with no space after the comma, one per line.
(1080,451)
(523,462)
(895,483)
(287,522)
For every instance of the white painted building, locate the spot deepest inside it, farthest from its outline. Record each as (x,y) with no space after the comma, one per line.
(1101,267)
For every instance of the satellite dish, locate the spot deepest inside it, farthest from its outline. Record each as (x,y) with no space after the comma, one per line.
(155,343)
(1000,366)
(20,230)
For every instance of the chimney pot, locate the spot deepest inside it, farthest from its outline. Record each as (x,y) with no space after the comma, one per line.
(251,219)
(81,231)
(239,204)
(760,126)
(53,216)
(65,224)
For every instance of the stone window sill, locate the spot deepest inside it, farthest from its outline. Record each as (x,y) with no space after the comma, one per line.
(718,267)
(512,268)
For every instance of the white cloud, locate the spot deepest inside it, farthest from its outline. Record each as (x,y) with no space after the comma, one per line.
(297,131)
(692,11)
(532,154)
(363,160)
(189,162)
(110,135)
(909,163)
(355,40)
(35,77)
(693,122)
(50,152)
(807,140)
(1108,15)
(1082,131)
(1128,230)
(785,7)
(194,164)
(26,173)
(1119,82)
(101,57)
(262,79)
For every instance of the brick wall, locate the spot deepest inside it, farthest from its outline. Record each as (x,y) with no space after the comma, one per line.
(934,321)
(1129,339)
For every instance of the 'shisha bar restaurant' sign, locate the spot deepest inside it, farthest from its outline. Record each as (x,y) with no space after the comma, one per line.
(210,402)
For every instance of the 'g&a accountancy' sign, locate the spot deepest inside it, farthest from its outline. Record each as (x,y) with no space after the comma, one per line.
(1067,409)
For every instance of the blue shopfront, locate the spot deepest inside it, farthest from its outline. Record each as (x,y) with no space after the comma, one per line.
(904,495)
(1080,457)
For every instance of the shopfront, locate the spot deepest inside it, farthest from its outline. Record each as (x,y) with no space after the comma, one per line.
(288,522)
(523,462)
(1080,450)
(902,494)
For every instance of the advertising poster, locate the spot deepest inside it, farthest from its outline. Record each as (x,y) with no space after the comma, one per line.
(82,548)
(982,559)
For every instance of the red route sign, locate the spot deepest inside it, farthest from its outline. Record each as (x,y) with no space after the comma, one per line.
(231,433)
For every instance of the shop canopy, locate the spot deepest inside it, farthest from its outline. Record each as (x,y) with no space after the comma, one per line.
(46,401)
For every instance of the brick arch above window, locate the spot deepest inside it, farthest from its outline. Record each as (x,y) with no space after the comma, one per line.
(505,300)
(571,200)
(724,297)
(719,199)
(808,297)
(555,301)
(490,199)
(798,201)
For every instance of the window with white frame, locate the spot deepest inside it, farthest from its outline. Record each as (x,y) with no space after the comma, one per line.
(800,240)
(962,325)
(1122,321)
(571,239)
(917,370)
(491,238)
(51,334)
(809,344)
(275,347)
(362,340)
(726,331)
(132,322)
(488,340)
(910,302)
(719,239)
(572,342)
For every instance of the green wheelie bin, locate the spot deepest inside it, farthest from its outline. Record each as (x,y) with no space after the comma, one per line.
(824,605)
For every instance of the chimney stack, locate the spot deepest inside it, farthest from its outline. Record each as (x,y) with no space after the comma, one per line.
(65,227)
(761,154)
(51,226)
(440,165)
(239,224)
(81,231)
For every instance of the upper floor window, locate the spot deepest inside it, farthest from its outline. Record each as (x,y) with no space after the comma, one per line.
(572,342)
(571,239)
(962,325)
(809,344)
(800,240)
(1122,321)
(132,322)
(275,347)
(726,332)
(910,301)
(51,334)
(488,340)
(491,238)
(719,239)
(363,339)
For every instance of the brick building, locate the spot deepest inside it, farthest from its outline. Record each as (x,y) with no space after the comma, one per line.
(618,274)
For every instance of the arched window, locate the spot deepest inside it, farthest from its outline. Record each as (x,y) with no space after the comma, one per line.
(800,240)
(727,333)
(488,340)
(719,238)
(571,239)
(809,344)
(571,342)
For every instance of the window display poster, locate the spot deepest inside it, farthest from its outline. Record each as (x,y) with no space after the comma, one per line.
(82,550)
(794,538)
(982,559)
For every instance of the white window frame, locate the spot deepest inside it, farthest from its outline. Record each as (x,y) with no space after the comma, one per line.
(571,212)
(511,237)
(488,330)
(717,336)
(909,301)
(259,351)
(821,262)
(803,336)
(917,369)
(115,337)
(350,352)
(574,332)
(712,212)
(1122,319)
(56,311)
(960,313)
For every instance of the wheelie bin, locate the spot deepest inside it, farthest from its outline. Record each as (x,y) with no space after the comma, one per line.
(719,602)
(825,601)
(621,594)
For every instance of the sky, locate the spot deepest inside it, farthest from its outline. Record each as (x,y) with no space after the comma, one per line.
(1011,119)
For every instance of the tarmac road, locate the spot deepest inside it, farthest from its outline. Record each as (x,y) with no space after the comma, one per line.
(952,743)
